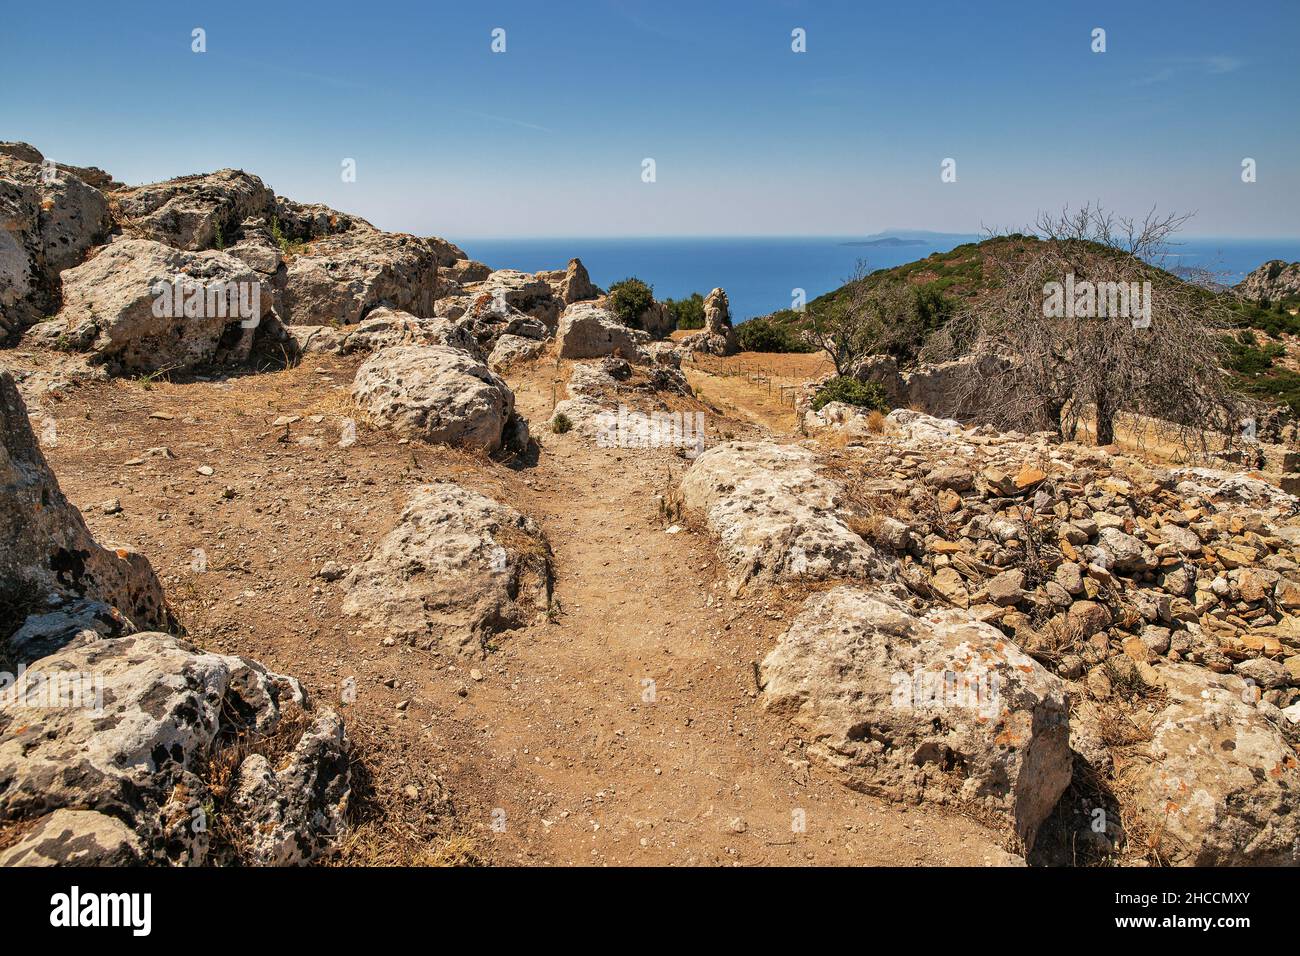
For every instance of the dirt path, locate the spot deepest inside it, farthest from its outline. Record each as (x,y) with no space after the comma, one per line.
(560,751)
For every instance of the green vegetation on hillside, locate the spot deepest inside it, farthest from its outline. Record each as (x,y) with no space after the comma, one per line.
(850,391)
(687,313)
(630,298)
(764,335)
(1256,372)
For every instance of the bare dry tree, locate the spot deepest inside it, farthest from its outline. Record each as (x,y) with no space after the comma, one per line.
(1093,327)
(881,318)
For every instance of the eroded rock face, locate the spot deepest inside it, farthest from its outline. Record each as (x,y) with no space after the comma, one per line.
(195,212)
(1275,280)
(1220,784)
(457,569)
(111,307)
(303,222)
(572,284)
(436,393)
(49,219)
(523,291)
(718,336)
(295,811)
(76,838)
(944,389)
(513,349)
(939,707)
(124,727)
(385,327)
(47,551)
(341,277)
(490,318)
(776,518)
(588,331)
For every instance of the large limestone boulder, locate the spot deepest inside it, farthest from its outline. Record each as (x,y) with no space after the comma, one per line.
(523,291)
(460,273)
(121,305)
(303,222)
(938,708)
(1218,783)
(457,569)
(18,237)
(49,220)
(385,327)
(128,727)
(72,215)
(47,552)
(512,350)
(718,337)
(438,393)
(589,331)
(340,278)
(447,253)
(775,517)
(76,838)
(490,318)
(571,284)
(195,212)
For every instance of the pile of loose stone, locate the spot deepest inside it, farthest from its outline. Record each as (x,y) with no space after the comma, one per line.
(1096,653)
(1083,557)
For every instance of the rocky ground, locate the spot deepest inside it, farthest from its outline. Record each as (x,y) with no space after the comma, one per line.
(432,563)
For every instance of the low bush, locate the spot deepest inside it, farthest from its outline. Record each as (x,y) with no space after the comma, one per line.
(764,335)
(850,391)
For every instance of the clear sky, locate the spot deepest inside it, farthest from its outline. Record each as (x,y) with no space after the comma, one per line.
(748,137)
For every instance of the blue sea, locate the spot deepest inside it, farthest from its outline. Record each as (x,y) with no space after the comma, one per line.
(760,274)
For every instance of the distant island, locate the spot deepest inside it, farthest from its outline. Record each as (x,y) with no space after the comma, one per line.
(891,241)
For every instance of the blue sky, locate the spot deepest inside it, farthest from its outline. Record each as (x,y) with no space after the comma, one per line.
(749,138)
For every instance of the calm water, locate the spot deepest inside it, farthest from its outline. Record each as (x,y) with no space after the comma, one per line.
(759,274)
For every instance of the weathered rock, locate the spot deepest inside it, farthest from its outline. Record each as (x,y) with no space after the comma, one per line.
(588,331)
(488,319)
(304,222)
(776,518)
(294,811)
(49,220)
(120,305)
(195,212)
(464,272)
(1126,552)
(457,569)
(47,551)
(438,393)
(917,426)
(1007,588)
(527,293)
(447,253)
(512,349)
(385,327)
(940,707)
(1274,281)
(572,284)
(76,838)
(718,336)
(125,727)
(340,278)
(1220,785)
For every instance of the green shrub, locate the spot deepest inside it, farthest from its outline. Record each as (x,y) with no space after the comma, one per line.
(628,299)
(764,335)
(850,391)
(687,313)
(561,423)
